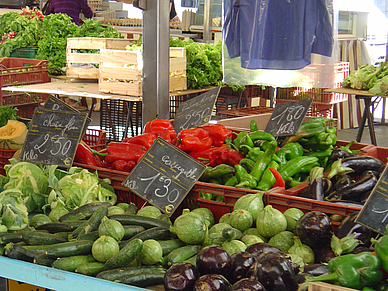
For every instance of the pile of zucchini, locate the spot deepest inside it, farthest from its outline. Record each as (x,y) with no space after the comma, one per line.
(67,244)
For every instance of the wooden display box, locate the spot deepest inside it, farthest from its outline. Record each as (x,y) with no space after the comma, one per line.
(81,65)
(121,71)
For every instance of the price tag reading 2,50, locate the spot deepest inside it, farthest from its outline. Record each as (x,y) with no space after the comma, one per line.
(287,118)
(164,176)
(196,111)
(53,137)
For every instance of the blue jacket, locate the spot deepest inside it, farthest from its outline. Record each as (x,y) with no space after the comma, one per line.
(277,34)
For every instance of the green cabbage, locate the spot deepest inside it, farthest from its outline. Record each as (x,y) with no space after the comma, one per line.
(31,181)
(13,212)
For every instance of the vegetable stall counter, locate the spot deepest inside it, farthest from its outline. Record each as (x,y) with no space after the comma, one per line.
(56,279)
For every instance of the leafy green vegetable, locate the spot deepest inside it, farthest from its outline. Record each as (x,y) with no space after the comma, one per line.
(30,180)
(7,113)
(13,212)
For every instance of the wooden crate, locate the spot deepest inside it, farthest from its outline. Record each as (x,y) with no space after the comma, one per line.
(121,71)
(81,65)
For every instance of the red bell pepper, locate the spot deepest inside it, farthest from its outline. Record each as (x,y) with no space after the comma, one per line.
(119,165)
(124,151)
(224,155)
(218,133)
(158,125)
(84,155)
(193,140)
(204,156)
(279,179)
(145,139)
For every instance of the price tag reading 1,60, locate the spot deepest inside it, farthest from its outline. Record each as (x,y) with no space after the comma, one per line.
(53,137)
(287,118)
(164,176)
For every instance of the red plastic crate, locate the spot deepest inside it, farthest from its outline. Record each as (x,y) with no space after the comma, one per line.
(20,72)
(95,138)
(5,155)
(378,152)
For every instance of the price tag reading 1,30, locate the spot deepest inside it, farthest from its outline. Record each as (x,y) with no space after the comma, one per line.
(53,137)
(196,111)
(287,118)
(374,213)
(164,176)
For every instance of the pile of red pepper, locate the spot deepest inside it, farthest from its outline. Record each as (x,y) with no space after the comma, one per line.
(205,143)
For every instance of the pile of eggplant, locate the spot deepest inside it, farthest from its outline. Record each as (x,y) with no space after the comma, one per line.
(350,178)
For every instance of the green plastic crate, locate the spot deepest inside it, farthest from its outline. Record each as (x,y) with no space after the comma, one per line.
(25,52)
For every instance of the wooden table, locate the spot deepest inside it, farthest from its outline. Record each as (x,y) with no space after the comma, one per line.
(367,115)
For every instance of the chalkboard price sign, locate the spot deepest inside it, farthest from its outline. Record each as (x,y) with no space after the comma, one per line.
(164,176)
(53,137)
(196,111)
(287,118)
(374,213)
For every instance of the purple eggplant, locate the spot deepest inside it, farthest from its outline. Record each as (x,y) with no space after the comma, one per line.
(214,260)
(241,263)
(180,277)
(314,270)
(276,272)
(213,282)
(315,189)
(314,229)
(323,254)
(247,284)
(259,248)
(349,226)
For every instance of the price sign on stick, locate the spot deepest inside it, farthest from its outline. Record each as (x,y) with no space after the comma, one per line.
(196,111)
(53,137)
(164,176)
(287,118)
(374,213)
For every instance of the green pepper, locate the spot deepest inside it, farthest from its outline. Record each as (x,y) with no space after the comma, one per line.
(236,141)
(256,135)
(255,153)
(232,181)
(307,168)
(268,179)
(253,125)
(262,163)
(218,171)
(352,271)
(244,179)
(330,129)
(289,151)
(347,148)
(205,195)
(309,128)
(294,165)
(226,178)
(216,181)
(381,249)
(261,143)
(245,145)
(248,164)
(382,286)
(290,182)
(322,138)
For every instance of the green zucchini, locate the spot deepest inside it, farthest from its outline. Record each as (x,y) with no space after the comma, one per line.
(131,230)
(90,269)
(133,219)
(43,260)
(170,245)
(15,251)
(71,263)
(7,237)
(181,254)
(126,255)
(120,273)
(132,208)
(41,238)
(83,212)
(54,227)
(72,248)
(145,279)
(89,236)
(92,223)
(157,233)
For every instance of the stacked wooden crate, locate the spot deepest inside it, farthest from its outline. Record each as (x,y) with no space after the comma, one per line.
(121,71)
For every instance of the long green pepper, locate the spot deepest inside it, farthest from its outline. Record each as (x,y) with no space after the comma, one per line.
(262,163)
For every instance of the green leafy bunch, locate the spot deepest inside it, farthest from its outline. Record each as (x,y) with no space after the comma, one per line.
(204,63)
(26,31)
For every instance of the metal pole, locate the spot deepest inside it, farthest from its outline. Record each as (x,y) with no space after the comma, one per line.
(207,21)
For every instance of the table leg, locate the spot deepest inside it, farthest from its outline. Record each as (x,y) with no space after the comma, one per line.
(370,121)
(362,125)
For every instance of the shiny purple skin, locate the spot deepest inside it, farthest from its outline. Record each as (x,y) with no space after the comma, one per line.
(247,284)
(212,282)
(214,260)
(180,277)
(259,248)
(241,263)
